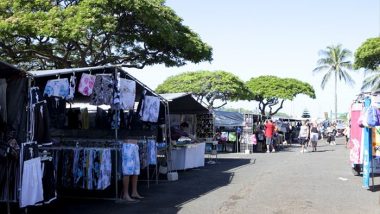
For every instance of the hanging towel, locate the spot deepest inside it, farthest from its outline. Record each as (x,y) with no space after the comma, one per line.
(86,84)
(57,88)
(127,94)
(150,109)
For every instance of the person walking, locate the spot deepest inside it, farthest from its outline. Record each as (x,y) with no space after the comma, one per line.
(269,131)
(314,132)
(303,136)
(346,133)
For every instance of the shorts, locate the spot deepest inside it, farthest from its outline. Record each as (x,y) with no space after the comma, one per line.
(303,140)
(268,141)
(130,159)
(314,137)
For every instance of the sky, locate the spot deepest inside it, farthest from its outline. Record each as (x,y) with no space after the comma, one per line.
(276,37)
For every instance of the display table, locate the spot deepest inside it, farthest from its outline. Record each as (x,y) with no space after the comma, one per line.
(187,157)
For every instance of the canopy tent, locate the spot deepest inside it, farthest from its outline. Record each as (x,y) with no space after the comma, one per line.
(228,119)
(13,99)
(184,103)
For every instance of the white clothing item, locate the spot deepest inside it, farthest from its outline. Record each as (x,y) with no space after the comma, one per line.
(127,94)
(314,137)
(73,82)
(304,131)
(150,109)
(31,185)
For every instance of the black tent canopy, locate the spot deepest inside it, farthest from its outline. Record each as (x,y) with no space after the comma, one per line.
(184,103)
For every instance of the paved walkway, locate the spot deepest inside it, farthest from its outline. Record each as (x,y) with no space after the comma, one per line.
(283,182)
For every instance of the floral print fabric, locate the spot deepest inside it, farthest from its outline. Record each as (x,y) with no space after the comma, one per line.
(86,84)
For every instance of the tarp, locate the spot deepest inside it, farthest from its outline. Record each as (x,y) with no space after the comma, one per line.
(228,119)
(184,103)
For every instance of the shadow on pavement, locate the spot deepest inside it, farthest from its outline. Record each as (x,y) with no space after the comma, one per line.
(165,197)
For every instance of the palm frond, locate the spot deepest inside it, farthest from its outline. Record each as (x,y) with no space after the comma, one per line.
(326,78)
(321,68)
(346,77)
(371,82)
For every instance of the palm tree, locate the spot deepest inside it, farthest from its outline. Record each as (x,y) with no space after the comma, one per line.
(335,61)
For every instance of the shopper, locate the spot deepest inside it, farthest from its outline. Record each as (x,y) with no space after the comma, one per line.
(314,132)
(269,131)
(303,136)
(346,133)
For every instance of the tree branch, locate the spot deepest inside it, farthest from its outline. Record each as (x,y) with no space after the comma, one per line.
(280,107)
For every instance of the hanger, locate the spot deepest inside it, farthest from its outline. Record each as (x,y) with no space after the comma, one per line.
(58,76)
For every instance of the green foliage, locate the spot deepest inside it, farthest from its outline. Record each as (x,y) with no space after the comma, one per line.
(208,86)
(271,90)
(368,54)
(267,87)
(43,34)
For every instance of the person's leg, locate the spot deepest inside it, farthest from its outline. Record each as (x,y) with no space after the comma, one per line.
(126,189)
(267,142)
(135,193)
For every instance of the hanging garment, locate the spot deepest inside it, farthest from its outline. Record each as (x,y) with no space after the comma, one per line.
(41,123)
(104,180)
(57,112)
(31,183)
(85,118)
(35,95)
(356,134)
(67,168)
(49,180)
(115,119)
(127,94)
(73,82)
(130,159)
(116,92)
(86,84)
(152,152)
(103,90)
(57,88)
(78,168)
(224,136)
(150,109)
(232,136)
(3,100)
(143,153)
(73,118)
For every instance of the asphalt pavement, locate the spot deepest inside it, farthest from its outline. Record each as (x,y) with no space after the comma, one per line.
(286,181)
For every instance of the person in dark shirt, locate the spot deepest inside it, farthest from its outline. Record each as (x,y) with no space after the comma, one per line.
(177,133)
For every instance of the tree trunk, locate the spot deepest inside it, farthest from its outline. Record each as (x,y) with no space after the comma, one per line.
(336,96)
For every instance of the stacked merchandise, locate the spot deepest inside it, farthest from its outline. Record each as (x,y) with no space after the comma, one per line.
(205,126)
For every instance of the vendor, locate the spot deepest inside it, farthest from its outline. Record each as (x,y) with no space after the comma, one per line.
(177,133)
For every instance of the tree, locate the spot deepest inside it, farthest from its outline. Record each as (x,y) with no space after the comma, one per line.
(207,86)
(48,34)
(367,56)
(335,61)
(270,91)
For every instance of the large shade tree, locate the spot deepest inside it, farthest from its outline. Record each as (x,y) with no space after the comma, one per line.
(207,86)
(271,92)
(47,34)
(335,62)
(367,56)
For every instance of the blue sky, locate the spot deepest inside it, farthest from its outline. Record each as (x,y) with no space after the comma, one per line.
(252,38)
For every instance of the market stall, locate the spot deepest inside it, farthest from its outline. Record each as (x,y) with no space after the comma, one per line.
(185,153)
(78,125)
(230,126)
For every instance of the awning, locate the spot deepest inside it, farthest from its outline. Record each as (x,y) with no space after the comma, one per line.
(228,119)
(8,70)
(184,103)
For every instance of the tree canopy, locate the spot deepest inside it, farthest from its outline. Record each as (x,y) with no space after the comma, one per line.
(270,91)
(368,54)
(207,86)
(45,34)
